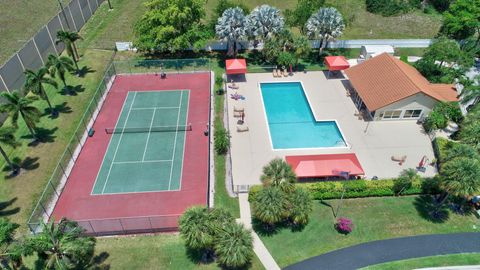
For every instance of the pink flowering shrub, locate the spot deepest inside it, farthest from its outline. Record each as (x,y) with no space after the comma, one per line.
(344,225)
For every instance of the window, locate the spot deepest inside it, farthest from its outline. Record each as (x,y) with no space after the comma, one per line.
(412,113)
(392,114)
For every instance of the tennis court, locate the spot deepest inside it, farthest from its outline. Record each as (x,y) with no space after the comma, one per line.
(146,148)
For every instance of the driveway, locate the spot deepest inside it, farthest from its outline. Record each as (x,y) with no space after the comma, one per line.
(376,252)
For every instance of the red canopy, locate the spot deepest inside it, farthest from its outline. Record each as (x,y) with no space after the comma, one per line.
(336,63)
(325,165)
(236,66)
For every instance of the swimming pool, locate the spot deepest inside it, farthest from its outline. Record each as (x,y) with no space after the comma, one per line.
(291,121)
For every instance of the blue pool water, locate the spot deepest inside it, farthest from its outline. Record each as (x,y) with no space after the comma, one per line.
(291,121)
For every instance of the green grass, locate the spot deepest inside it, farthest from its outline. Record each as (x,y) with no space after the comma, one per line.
(109,26)
(434,261)
(374,219)
(20,20)
(162,251)
(362,24)
(41,159)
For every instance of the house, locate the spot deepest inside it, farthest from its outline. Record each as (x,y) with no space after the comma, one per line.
(385,88)
(369,51)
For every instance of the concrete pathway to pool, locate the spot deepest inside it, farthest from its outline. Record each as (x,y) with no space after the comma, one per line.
(258,247)
(374,143)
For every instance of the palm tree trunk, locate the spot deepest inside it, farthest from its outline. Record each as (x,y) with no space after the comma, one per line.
(30,129)
(47,100)
(75,51)
(320,48)
(9,162)
(235,49)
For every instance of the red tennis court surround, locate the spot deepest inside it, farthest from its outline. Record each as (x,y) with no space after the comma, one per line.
(145,211)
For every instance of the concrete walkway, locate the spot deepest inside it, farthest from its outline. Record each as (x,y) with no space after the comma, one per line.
(258,247)
(382,251)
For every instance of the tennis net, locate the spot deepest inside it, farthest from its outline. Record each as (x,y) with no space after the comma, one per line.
(149,129)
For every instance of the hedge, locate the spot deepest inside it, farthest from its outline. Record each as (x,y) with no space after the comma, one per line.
(391,7)
(326,190)
(440,146)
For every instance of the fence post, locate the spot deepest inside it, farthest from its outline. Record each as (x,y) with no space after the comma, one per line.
(93,230)
(54,189)
(121,225)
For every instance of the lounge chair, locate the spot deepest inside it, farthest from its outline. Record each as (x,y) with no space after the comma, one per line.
(237,114)
(238,109)
(274,72)
(399,159)
(285,73)
(242,128)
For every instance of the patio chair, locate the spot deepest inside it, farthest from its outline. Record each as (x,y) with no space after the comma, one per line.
(237,114)
(285,73)
(399,159)
(242,128)
(238,109)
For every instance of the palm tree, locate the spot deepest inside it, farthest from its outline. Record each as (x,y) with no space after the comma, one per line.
(11,251)
(327,24)
(264,22)
(270,206)
(16,105)
(196,229)
(234,246)
(301,47)
(300,206)
(68,39)
(63,245)
(470,91)
(35,81)
(460,177)
(58,66)
(278,173)
(232,27)
(405,180)
(7,137)
(460,150)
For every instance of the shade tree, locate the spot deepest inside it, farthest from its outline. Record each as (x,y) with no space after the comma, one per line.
(232,27)
(325,25)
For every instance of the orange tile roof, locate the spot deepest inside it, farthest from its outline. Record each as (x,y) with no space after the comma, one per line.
(384,79)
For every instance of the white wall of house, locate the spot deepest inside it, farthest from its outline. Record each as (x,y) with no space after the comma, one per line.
(410,108)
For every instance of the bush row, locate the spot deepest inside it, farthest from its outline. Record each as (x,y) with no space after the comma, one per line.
(391,7)
(361,188)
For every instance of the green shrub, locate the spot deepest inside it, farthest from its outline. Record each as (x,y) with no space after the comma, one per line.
(440,148)
(404,58)
(360,188)
(222,141)
(440,5)
(391,7)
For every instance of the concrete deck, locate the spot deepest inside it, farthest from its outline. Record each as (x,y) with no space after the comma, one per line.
(374,143)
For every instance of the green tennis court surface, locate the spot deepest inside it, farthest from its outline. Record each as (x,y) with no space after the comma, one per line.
(145,152)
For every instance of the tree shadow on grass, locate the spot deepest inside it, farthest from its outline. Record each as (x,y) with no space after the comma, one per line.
(5,209)
(44,135)
(429,209)
(72,90)
(98,262)
(59,108)
(200,256)
(27,164)
(84,71)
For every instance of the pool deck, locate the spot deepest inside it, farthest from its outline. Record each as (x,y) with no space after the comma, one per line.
(373,143)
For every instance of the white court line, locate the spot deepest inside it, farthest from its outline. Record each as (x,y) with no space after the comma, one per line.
(148,136)
(184,141)
(175,141)
(110,142)
(144,161)
(152,108)
(119,141)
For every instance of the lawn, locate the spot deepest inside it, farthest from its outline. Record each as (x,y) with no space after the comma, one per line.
(362,24)
(434,261)
(162,251)
(20,20)
(374,219)
(19,194)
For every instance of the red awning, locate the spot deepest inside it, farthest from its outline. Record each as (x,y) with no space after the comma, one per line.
(336,63)
(325,165)
(236,66)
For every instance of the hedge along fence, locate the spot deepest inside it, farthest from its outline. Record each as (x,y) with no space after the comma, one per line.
(361,188)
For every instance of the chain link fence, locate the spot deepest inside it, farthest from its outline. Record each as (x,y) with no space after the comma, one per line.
(34,53)
(54,188)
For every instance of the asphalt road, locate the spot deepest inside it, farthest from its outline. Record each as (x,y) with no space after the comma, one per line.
(376,252)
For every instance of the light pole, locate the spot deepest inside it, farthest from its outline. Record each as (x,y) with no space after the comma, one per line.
(64,15)
(109,4)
